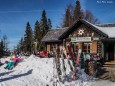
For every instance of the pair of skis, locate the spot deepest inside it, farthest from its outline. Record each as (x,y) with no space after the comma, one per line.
(75,60)
(57,63)
(76,65)
(63,63)
(60,51)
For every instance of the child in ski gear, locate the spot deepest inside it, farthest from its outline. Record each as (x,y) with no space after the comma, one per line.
(6,62)
(10,64)
(16,60)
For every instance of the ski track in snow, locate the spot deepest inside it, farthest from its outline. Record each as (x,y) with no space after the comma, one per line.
(35,71)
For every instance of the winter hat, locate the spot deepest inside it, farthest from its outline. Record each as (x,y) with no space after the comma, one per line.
(11,59)
(6,62)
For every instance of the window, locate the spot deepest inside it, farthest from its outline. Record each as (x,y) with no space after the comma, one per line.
(52,47)
(87,47)
(75,47)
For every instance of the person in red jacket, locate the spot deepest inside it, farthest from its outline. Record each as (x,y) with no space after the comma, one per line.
(44,54)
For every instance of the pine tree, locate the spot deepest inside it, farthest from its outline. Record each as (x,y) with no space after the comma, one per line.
(37,34)
(17,50)
(44,25)
(78,14)
(28,39)
(5,42)
(2,52)
(36,30)
(74,13)
(21,46)
(49,24)
(68,16)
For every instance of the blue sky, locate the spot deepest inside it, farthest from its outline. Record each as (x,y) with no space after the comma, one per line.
(14,14)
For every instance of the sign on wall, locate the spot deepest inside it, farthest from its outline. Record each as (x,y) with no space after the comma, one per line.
(95,38)
(81,39)
(73,39)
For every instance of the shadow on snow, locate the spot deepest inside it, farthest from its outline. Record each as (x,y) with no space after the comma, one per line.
(16,76)
(2,74)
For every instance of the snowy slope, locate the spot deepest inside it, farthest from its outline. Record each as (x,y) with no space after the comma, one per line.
(34,71)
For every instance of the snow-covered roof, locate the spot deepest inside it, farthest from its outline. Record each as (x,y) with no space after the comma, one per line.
(110,31)
(106,25)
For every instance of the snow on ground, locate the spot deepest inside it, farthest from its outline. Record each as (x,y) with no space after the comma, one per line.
(35,71)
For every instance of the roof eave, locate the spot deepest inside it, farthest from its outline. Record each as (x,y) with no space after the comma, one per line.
(51,41)
(95,29)
(87,24)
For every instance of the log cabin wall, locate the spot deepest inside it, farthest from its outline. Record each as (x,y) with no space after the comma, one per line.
(67,46)
(92,46)
(48,47)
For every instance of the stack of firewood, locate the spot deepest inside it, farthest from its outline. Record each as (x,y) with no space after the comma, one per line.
(91,68)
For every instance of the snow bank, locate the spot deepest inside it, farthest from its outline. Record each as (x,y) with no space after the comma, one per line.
(35,71)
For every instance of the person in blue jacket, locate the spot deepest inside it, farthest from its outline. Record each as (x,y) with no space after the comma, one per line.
(10,64)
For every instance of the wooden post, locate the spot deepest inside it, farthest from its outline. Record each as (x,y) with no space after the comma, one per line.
(114,52)
(102,50)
